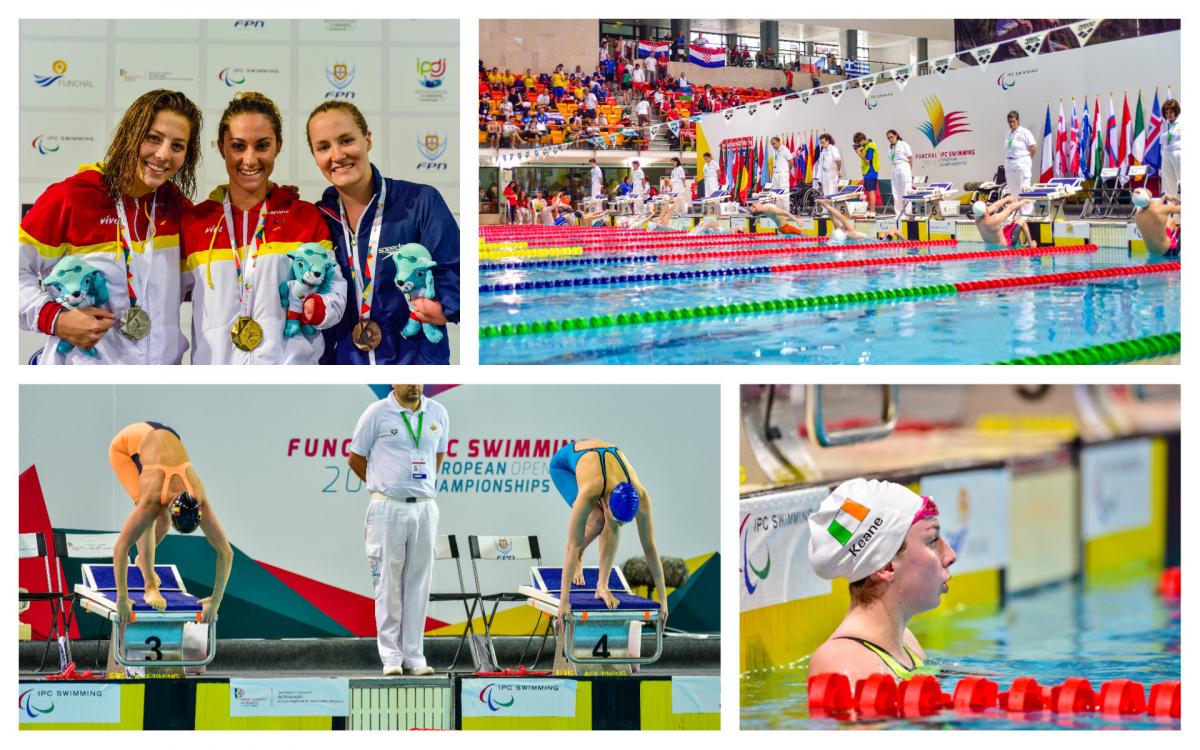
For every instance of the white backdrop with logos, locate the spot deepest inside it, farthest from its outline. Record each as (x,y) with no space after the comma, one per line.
(982,98)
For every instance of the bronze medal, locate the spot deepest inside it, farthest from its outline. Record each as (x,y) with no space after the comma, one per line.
(367,335)
(135,323)
(246,333)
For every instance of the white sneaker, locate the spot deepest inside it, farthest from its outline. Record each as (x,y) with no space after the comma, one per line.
(418,671)
(392,669)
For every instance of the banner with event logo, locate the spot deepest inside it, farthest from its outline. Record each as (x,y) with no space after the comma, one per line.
(773,538)
(295,696)
(523,697)
(62,703)
(956,124)
(973,507)
(1116,484)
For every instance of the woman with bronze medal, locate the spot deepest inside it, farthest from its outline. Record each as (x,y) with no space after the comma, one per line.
(241,244)
(120,218)
(369,214)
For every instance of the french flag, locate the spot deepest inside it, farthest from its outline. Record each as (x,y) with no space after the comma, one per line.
(707,57)
(653,49)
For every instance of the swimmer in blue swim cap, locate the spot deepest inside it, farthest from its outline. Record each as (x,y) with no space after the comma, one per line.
(886,540)
(604,493)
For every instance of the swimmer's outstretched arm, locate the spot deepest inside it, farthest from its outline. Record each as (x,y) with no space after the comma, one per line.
(576,525)
(139,521)
(645,527)
(1012,208)
(215,534)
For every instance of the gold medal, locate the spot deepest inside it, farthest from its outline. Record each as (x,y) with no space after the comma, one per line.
(246,333)
(135,323)
(367,335)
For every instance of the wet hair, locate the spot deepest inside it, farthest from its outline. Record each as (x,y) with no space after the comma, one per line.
(869,589)
(893,132)
(827,137)
(1171,104)
(250,103)
(121,161)
(338,106)
(1013,114)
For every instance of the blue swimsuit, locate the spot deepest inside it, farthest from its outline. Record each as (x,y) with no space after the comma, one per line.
(562,469)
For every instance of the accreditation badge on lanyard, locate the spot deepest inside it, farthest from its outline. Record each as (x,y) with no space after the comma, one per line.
(135,322)
(246,333)
(420,469)
(367,334)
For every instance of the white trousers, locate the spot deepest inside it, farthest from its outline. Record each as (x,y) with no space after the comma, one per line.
(781,180)
(400,545)
(901,185)
(597,190)
(1018,173)
(829,181)
(1170,173)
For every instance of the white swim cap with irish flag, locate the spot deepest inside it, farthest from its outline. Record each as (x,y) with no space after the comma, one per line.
(859,528)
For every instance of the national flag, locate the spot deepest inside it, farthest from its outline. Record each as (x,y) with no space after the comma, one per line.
(647,49)
(766,166)
(1060,144)
(847,520)
(1072,169)
(1153,133)
(1111,136)
(1098,150)
(1126,135)
(1137,150)
(1085,144)
(1047,150)
(706,57)
(809,156)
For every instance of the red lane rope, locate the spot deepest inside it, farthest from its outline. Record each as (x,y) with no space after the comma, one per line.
(908,259)
(1057,278)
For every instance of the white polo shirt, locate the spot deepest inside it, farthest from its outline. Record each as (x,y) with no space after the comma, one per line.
(1017,143)
(394,466)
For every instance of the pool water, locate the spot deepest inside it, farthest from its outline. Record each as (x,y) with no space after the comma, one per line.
(968,328)
(1101,633)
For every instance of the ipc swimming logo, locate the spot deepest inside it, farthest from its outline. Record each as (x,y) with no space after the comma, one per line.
(431,72)
(1006,81)
(871,102)
(232,77)
(748,567)
(58,70)
(487,696)
(25,703)
(39,145)
(942,124)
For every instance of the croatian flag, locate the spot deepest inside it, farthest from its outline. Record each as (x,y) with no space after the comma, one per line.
(656,49)
(706,57)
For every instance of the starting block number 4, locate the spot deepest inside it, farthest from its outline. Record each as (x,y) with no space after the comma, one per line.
(606,641)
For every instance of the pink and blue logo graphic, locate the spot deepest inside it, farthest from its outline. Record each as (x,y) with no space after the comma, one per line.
(39,145)
(231,77)
(430,73)
(942,124)
(748,568)
(487,696)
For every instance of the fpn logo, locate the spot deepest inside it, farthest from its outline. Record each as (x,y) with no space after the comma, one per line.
(430,73)
(25,702)
(504,548)
(232,76)
(748,567)
(432,146)
(487,697)
(249,24)
(340,76)
(942,124)
(41,144)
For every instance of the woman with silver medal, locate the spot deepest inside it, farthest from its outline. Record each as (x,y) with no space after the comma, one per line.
(126,211)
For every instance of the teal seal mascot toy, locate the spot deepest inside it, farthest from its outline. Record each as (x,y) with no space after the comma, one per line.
(414,277)
(74,284)
(312,275)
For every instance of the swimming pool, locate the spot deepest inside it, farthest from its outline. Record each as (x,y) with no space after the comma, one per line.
(742,310)
(1100,632)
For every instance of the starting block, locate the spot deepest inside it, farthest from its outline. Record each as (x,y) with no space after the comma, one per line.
(595,635)
(710,205)
(1048,197)
(926,201)
(153,634)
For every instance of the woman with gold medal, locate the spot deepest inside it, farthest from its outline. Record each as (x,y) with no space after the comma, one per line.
(120,217)
(240,245)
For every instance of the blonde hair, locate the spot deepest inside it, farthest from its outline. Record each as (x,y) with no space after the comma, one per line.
(338,106)
(121,161)
(250,103)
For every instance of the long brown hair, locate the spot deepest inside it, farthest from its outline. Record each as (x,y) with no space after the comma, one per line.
(250,103)
(329,106)
(121,161)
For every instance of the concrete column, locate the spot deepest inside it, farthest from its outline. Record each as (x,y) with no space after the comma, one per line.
(922,54)
(681,27)
(768,35)
(850,44)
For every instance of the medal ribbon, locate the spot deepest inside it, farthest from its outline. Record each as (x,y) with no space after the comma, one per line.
(125,240)
(364,281)
(244,257)
(416,436)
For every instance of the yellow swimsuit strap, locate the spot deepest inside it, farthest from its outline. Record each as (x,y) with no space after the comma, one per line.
(902,672)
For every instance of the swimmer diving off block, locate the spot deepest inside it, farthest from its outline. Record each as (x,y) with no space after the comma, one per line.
(604,493)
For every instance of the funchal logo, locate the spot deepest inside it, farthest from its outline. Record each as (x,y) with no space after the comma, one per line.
(747,566)
(58,72)
(486,696)
(232,76)
(40,145)
(432,146)
(431,72)
(942,124)
(25,703)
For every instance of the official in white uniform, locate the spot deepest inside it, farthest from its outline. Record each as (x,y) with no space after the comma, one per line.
(641,189)
(1171,139)
(712,175)
(597,180)
(679,186)
(782,167)
(829,165)
(1019,148)
(397,449)
(901,157)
